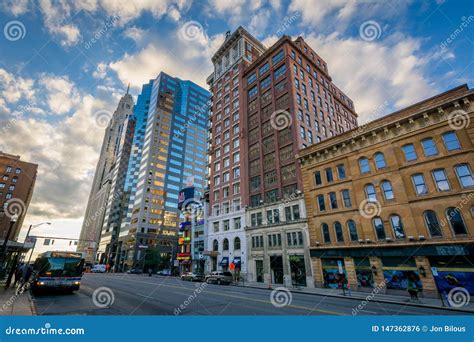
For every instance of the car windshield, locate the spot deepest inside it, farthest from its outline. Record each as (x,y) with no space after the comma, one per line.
(228,274)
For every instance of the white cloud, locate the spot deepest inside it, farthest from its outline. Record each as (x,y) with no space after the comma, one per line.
(374,73)
(135,33)
(190,60)
(101,71)
(13,88)
(62,95)
(15,7)
(132,9)
(56,18)
(66,151)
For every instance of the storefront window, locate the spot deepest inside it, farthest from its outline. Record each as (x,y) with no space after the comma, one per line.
(363,272)
(331,272)
(399,272)
(454,271)
(298,270)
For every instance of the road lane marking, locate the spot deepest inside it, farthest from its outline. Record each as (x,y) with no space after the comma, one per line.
(240,297)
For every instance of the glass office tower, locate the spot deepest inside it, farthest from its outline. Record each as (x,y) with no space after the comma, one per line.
(173,155)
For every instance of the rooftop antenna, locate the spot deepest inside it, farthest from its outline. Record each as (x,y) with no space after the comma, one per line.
(128,88)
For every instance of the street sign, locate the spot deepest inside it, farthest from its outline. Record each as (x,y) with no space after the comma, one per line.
(339,266)
(232,266)
(434,270)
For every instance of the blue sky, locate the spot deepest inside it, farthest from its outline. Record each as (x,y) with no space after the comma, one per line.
(63,64)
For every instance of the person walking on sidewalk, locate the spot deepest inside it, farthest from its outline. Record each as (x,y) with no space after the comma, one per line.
(414,286)
(18,274)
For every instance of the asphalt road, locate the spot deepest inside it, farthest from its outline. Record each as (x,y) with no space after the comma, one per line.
(129,294)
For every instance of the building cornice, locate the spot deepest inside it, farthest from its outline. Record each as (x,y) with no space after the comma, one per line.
(423,114)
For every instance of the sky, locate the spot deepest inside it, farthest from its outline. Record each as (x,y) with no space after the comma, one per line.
(65,64)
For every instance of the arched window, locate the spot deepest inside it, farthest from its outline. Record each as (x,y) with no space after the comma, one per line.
(225,245)
(370,193)
(351,227)
(429,147)
(215,245)
(326,235)
(379,228)
(364,165)
(237,243)
(380,160)
(456,221)
(387,190)
(338,232)
(432,223)
(397,227)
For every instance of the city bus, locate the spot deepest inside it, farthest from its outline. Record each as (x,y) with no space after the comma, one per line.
(58,270)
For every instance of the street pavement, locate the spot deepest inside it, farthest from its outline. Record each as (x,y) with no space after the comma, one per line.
(130,294)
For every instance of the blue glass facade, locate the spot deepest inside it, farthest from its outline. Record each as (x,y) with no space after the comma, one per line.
(171,140)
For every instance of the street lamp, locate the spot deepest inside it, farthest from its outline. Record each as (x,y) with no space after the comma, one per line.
(13,220)
(28,234)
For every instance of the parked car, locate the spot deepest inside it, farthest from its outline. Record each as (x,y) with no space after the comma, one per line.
(219,278)
(166,272)
(192,277)
(135,271)
(99,268)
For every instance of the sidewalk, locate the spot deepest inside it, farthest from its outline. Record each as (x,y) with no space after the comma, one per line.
(12,304)
(370,296)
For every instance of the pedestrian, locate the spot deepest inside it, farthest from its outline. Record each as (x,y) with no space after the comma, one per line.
(23,273)
(18,274)
(414,286)
(29,272)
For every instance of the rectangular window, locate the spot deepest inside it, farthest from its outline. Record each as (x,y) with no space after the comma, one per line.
(321,204)
(251,78)
(451,141)
(253,92)
(278,57)
(279,72)
(346,197)
(329,176)
(263,69)
(333,200)
(419,183)
(441,180)
(341,171)
(264,84)
(409,151)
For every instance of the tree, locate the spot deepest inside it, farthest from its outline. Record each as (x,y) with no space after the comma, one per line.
(152,259)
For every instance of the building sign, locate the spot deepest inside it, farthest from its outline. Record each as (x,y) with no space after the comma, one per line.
(184,195)
(183,225)
(170,219)
(29,242)
(183,256)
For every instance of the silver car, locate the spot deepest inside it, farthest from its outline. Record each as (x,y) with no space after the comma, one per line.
(219,278)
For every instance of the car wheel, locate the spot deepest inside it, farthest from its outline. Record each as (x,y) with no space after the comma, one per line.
(218,281)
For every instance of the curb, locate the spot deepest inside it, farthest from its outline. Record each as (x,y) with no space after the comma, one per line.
(372,300)
(32,305)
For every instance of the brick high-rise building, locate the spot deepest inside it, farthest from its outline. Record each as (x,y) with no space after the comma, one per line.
(227,193)
(267,104)
(290,102)
(17,181)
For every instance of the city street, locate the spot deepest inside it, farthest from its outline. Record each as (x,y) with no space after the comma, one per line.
(157,295)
